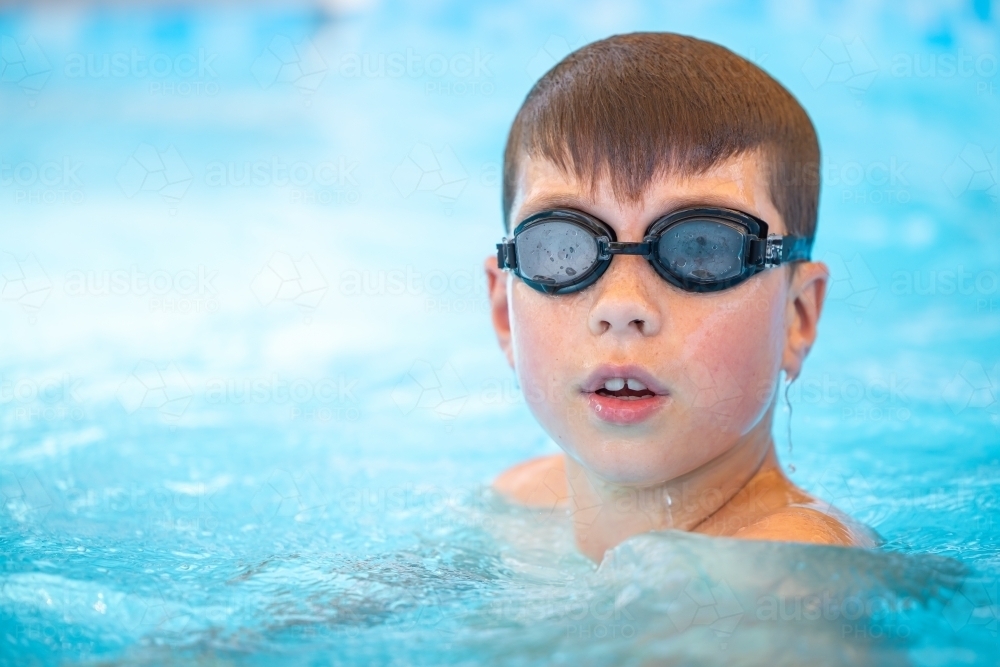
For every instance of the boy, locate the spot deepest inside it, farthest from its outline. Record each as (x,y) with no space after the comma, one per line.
(660,197)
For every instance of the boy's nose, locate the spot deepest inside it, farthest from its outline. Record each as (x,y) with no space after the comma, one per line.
(623,304)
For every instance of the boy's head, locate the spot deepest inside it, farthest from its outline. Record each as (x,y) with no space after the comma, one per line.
(627,130)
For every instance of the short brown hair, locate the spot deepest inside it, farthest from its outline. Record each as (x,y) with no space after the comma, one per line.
(649,103)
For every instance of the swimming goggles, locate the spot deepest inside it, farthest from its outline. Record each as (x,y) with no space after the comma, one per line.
(702,249)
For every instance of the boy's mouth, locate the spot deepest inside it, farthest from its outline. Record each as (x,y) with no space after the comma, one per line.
(624,394)
(628,389)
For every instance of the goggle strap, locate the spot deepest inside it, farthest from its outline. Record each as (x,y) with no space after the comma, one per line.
(795,249)
(782,249)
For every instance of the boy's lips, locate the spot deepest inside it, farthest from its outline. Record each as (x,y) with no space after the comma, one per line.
(623,394)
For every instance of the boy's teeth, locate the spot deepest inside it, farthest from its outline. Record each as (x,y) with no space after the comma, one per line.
(617,384)
(614,384)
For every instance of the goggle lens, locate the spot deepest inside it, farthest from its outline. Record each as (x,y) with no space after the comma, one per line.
(556,253)
(702,251)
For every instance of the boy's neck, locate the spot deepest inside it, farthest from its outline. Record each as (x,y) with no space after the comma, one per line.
(606,514)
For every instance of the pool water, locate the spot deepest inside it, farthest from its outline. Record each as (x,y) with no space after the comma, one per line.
(252,403)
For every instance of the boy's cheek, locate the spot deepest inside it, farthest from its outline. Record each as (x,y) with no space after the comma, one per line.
(547,331)
(734,355)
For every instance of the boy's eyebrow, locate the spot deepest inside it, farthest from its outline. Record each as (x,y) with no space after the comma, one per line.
(716,200)
(556,201)
(547,202)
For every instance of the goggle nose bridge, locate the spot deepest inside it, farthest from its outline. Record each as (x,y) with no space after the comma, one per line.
(606,248)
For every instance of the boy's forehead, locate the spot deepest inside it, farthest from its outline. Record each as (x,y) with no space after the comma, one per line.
(738,183)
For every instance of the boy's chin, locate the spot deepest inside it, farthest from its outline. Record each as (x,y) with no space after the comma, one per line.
(632,469)
(646,462)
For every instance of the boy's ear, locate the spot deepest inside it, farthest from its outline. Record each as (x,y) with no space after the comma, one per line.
(805,303)
(496,281)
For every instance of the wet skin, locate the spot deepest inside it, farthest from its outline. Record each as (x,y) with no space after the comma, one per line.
(693,450)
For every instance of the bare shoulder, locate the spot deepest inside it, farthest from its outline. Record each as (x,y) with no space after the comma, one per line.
(538,482)
(813,523)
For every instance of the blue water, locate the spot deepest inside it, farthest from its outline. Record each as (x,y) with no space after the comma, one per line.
(250,414)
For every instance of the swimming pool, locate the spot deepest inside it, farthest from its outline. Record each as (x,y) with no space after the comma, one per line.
(251,402)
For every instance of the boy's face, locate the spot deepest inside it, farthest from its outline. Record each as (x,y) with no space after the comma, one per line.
(709,361)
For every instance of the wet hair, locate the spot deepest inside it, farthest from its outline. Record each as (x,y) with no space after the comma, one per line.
(646,104)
